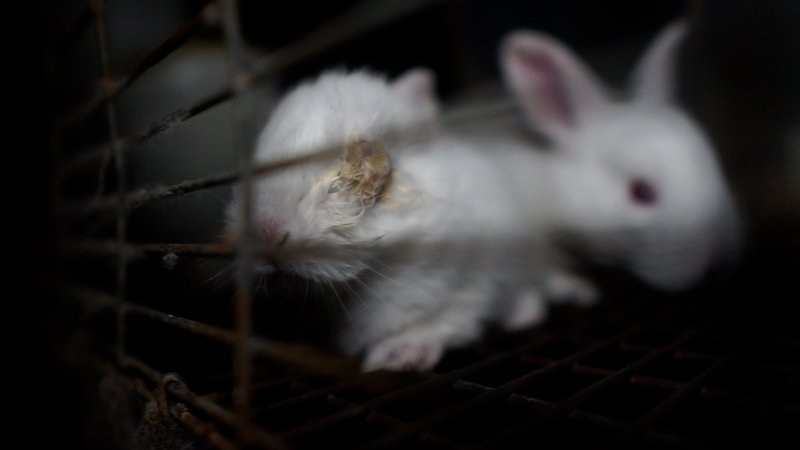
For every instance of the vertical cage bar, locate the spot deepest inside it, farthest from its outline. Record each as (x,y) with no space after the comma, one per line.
(242,356)
(100,13)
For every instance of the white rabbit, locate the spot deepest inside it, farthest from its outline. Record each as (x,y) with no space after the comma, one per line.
(422,237)
(631,183)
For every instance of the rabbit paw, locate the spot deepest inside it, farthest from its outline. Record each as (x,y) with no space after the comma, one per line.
(528,309)
(405,352)
(565,287)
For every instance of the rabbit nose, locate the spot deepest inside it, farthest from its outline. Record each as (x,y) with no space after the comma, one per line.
(262,267)
(270,231)
(275,237)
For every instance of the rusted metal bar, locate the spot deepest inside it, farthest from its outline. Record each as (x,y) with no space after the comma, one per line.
(355,380)
(132,250)
(111,87)
(124,144)
(655,383)
(140,196)
(242,394)
(293,355)
(257,435)
(597,420)
(172,252)
(99,9)
(225,249)
(199,249)
(469,386)
(201,428)
(192,326)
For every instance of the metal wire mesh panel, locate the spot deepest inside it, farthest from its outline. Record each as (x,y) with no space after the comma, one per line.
(214,365)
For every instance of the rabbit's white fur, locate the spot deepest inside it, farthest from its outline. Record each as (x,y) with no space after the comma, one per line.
(426,236)
(443,248)
(603,148)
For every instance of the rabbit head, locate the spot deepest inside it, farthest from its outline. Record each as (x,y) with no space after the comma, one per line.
(637,181)
(317,209)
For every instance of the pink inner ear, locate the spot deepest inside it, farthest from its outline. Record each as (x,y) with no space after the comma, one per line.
(545,90)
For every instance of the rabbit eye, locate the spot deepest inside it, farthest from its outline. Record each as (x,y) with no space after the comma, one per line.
(642,192)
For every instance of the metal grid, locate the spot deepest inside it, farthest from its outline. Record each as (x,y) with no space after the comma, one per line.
(694,373)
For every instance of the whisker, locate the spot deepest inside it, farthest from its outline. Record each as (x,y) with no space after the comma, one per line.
(341,302)
(356,296)
(387,277)
(220,278)
(261,284)
(305,297)
(374,294)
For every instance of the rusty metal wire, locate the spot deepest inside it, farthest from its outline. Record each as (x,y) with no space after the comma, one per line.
(99,9)
(243,302)
(309,359)
(201,428)
(110,87)
(108,247)
(138,197)
(135,198)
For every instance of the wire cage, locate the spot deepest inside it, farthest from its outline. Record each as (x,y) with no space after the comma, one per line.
(183,360)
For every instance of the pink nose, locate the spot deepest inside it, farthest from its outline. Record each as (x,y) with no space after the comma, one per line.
(272,233)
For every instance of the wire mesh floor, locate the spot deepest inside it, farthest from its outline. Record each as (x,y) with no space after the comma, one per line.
(713,370)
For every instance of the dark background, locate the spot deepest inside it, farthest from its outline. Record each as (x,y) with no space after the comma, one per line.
(741,79)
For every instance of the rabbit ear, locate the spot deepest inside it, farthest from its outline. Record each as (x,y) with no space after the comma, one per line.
(654,76)
(557,92)
(418,85)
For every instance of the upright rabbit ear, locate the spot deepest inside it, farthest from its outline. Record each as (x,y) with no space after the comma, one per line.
(654,76)
(418,85)
(557,92)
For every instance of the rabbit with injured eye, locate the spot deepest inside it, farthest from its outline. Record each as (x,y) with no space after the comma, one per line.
(420,237)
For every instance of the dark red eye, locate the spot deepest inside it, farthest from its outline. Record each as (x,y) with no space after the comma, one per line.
(642,192)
